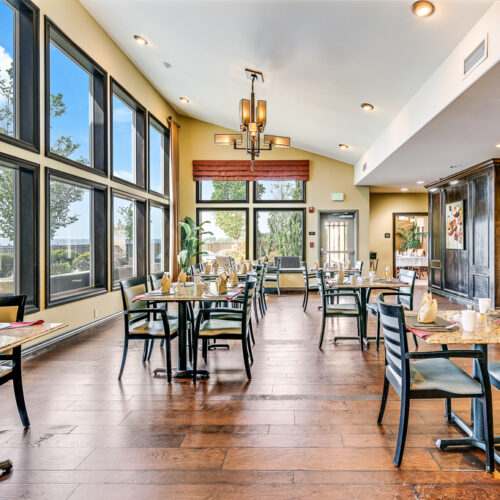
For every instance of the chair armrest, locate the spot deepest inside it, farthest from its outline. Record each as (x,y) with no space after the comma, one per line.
(473,354)
(150,310)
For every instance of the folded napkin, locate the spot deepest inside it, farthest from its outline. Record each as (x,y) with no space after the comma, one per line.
(265,259)
(316,264)
(249,265)
(348,265)
(215,265)
(340,277)
(223,276)
(428,309)
(208,268)
(244,269)
(21,324)
(221,284)
(182,277)
(233,278)
(166,283)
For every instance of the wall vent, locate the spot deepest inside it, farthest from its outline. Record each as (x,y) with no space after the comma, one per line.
(476,57)
(364,166)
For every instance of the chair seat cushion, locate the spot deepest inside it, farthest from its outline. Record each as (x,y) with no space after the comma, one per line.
(270,278)
(494,369)
(5,370)
(441,375)
(313,287)
(342,309)
(153,328)
(225,315)
(220,327)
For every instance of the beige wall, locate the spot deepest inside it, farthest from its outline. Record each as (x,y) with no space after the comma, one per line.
(382,206)
(80,27)
(326,176)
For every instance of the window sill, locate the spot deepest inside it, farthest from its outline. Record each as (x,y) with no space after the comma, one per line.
(73,163)
(127,183)
(74,297)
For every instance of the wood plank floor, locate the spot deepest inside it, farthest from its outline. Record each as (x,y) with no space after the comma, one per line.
(303,428)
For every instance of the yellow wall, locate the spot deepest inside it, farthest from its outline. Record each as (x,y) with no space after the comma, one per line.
(382,206)
(79,26)
(326,176)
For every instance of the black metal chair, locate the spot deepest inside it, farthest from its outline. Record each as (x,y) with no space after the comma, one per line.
(273,274)
(196,269)
(208,327)
(12,310)
(262,294)
(330,310)
(428,375)
(358,266)
(140,322)
(404,297)
(308,286)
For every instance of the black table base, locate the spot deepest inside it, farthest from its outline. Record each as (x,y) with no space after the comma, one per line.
(188,373)
(5,466)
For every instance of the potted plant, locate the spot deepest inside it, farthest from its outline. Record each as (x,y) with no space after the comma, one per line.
(411,239)
(190,242)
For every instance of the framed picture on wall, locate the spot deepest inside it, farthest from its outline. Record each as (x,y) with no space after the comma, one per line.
(455,225)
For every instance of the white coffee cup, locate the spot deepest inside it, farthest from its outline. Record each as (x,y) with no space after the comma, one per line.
(180,289)
(469,320)
(484,305)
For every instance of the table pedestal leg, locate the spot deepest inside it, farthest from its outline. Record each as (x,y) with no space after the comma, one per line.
(5,466)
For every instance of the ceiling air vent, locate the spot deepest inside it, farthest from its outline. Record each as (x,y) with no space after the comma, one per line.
(364,166)
(476,57)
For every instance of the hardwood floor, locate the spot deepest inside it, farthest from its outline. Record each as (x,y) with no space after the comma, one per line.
(303,428)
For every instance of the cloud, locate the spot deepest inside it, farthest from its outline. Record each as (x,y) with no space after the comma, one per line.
(5,61)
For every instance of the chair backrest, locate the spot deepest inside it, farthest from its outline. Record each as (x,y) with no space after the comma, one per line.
(358,266)
(407,276)
(248,297)
(195,269)
(396,344)
(263,280)
(259,271)
(155,280)
(289,262)
(12,308)
(305,273)
(320,275)
(130,289)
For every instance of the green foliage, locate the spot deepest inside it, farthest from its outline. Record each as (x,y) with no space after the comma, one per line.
(62,196)
(411,239)
(81,262)
(285,236)
(229,190)
(7,102)
(6,265)
(125,223)
(190,242)
(7,206)
(281,191)
(62,256)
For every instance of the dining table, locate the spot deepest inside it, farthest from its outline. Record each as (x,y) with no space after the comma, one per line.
(363,286)
(12,339)
(184,300)
(485,334)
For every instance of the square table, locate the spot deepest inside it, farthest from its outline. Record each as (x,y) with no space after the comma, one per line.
(483,335)
(14,338)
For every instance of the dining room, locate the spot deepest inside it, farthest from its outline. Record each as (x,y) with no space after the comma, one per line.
(194,306)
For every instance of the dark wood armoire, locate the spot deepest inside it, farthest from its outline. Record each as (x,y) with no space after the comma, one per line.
(464,275)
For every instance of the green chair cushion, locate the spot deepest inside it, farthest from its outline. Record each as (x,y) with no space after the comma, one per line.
(153,328)
(220,327)
(5,370)
(494,369)
(225,315)
(342,309)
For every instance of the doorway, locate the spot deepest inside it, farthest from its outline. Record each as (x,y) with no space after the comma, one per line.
(338,238)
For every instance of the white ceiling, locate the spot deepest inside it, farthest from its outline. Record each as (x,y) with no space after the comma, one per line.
(320,59)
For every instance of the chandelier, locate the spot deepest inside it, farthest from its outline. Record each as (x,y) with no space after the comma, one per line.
(253,122)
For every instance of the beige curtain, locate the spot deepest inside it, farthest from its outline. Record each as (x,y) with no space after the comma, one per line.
(175,243)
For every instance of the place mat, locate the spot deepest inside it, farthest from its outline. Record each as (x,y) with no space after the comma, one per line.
(20,324)
(423,330)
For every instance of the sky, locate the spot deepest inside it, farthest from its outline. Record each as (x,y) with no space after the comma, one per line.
(6,39)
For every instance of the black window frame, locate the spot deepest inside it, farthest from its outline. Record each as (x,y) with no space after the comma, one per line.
(166,233)
(279,209)
(141,138)
(155,123)
(199,199)
(99,239)
(255,200)
(100,112)
(27,233)
(141,235)
(27,53)
(228,209)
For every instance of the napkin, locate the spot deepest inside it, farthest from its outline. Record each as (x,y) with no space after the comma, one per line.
(348,265)
(249,265)
(223,276)
(233,278)
(182,277)
(340,278)
(428,309)
(316,264)
(244,269)
(166,282)
(221,284)
(208,268)
(265,259)
(215,265)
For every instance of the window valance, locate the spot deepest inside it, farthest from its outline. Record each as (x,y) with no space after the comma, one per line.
(240,170)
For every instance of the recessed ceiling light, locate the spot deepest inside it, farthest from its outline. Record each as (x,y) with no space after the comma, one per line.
(420,182)
(167,64)
(343,146)
(423,8)
(498,145)
(140,40)
(433,190)
(453,183)
(184,100)
(404,189)
(367,106)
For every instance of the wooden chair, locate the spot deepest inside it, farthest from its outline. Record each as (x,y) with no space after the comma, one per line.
(308,286)
(330,310)
(208,327)
(428,375)
(404,297)
(273,274)
(12,310)
(140,322)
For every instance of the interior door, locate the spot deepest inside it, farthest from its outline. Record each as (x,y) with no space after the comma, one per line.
(338,232)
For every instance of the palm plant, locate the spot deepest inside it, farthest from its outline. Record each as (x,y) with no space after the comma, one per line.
(190,242)
(411,239)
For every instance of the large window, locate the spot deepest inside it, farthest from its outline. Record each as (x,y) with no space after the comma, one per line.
(279,191)
(159,155)
(19,229)
(158,238)
(76,233)
(229,230)
(75,100)
(279,232)
(222,191)
(128,237)
(128,137)
(19,109)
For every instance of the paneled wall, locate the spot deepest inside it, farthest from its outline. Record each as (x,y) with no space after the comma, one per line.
(464,275)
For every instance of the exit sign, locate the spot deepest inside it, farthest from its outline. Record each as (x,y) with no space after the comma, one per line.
(337,196)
